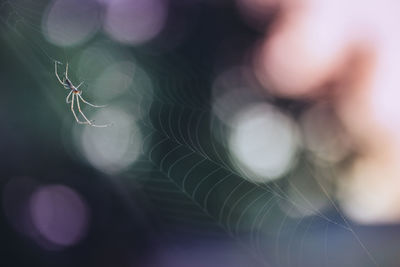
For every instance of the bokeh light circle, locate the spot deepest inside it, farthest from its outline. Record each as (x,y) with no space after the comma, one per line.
(59,214)
(114,148)
(134,21)
(69,22)
(118,76)
(233,88)
(123,79)
(323,135)
(263,142)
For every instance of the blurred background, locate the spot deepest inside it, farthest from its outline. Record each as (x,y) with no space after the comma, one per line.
(244,133)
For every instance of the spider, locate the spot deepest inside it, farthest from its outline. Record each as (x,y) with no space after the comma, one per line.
(76,95)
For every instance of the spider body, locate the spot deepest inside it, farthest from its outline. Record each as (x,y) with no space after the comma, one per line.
(70,86)
(76,97)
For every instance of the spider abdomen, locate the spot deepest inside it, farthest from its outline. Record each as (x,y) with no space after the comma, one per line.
(68,83)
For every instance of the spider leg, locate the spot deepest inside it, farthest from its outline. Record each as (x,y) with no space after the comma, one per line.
(73,112)
(66,71)
(79,85)
(80,111)
(100,125)
(84,101)
(67,99)
(88,121)
(55,70)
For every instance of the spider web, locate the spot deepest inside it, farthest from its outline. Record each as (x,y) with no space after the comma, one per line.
(198,189)
(186,172)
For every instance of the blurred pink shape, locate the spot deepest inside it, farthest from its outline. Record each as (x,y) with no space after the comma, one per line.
(307,46)
(352,46)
